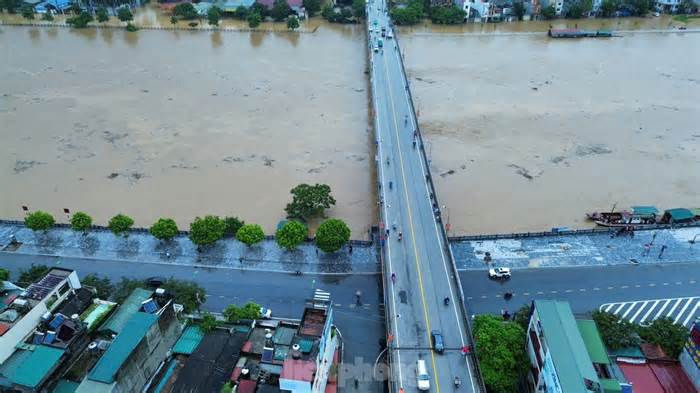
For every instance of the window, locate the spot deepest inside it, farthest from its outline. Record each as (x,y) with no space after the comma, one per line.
(63,289)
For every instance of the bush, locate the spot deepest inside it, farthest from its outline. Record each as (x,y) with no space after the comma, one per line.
(671,337)
(47,17)
(4,274)
(207,230)
(28,12)
(173,20)
(617,333)
(233,224)
(131,27)
(39,221)
(32,275)
(549,12)
(103,285)
(292,23)
(188,293)
(214,15)
(81,222)
(208,322)
(250,234)
(120,224)
(280,10)
(291,235)
(233,313)
(241,12)
(185,11)
(164,229)
(254,20)
(80,21)
(102,15)
(447,15)
(124,14)
(501,353)
(522,316)
(332,235)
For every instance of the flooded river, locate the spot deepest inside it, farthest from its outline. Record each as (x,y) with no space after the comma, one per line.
(527,133)
(181,124)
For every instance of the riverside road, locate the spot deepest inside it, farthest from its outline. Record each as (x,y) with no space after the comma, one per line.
(414,247)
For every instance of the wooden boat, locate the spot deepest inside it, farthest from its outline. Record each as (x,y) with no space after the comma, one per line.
(638,217)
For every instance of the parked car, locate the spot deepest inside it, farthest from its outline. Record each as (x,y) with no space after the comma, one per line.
(265,313)
(422,376)
(499,273)
(155,281)
(438,342)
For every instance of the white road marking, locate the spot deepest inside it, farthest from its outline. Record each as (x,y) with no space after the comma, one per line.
(691,314)
(682,310)
(666,303)
(629,309)
(636,314)
(644,317)
(619,308)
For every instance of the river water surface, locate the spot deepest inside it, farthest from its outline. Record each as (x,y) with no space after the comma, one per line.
(181,124)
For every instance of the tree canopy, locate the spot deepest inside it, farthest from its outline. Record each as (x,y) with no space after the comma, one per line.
(214,15)
(332,235)
(233,224)
(188,293)
(241,12)
(358,8)
(549,12)
(207,230)
(32,275)
(409,15)
(4,274)
(250,310)
(447,15)
(39,221)
(292,23)
(120,224)
(124,14)
(254,20)
(81,221)
(280,10)
(208,322)
(312,6)
(164,229)
(616,332)
(102,15)
(671,337)
(250,234)
(309,201)
(103,285)
(291,235)
(28,12)
(500,348)
(519,9)
(185,11)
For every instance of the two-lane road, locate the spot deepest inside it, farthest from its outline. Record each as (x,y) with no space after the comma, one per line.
(414,248)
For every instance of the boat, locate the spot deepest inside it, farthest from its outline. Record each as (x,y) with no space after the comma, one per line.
(638,217)
(576,33)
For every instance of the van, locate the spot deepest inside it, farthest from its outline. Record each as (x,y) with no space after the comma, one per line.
(422,376)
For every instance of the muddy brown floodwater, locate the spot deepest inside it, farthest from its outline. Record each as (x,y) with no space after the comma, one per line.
(527,133)
(181,124)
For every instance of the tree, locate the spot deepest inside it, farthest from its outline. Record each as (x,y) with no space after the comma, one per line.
(254,20)
(332,234)
(292,23)
(102,15)
(522,316)
(103,285)
(280,10)
(328,12)
(28,12)
(519,10)
(214,15)
(233,224)
(687,7)
(80,21)
(579,9)
(549,12)
(208,322)
(185,11)
(32,275)
(447,15)
(11,6)
(358,8)
(74,7)
(291,235)
(671,337)
(241,12)
(164,229)
(250,234)
(309,201)
(4,274)
(639,7)
(608,8)
(250,310)
(259,9)
(616,332)
(124,14)
(124,288)
(312,6)
(131,27)
(345,14)
(187,293)
(81,222)
(120,223)
(47,16)
(409,15)
(173,20)
(207,230)
(39,221)
(500,348)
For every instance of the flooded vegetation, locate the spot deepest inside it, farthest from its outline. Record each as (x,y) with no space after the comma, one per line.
(527,133)
(181,123)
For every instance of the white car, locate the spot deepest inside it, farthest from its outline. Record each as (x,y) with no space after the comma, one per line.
(499,273)
(265,313)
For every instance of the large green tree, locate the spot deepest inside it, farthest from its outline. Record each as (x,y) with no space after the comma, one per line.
(687,7)
(280,10)
(291,235)
(120,224)
(549,12)
(28,12)
(447,15)
(4,274)
(409,15)
(500,348)
(250,310)
(208,322)
(81,222)
(254,20)
(233,224)
(358,8)
(309,201)
(639,7)
(241,12)
(188,293)
(616,332)
(164,229)
(124,14)
(39,221)
(32,275)
(207,230)
(519,9)
(671,337)
(292,23)
(185,11)
(102,15)
(608,8)
(214,15)
(250,234)
(332,235)
(312,6)
(80,21)
(11,6)
(102,284)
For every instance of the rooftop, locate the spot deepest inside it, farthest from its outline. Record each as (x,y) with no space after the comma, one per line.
(591,338)
(298,370)
(126,341)
(568,351)
(313,322)
(189,340)
(28,367)
(657,377)
(128,308)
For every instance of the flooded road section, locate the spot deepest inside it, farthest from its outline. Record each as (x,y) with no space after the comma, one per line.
(527,133)
(181,124)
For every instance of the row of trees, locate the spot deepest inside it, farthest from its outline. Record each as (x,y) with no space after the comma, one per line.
(254,14)
(344,15)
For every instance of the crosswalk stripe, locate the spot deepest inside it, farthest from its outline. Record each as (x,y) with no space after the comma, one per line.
(638,311)
(629,309)
(666,303)
(683,310)
(644,317)
(675,305)
(609,307)
(691,314)
(619,308)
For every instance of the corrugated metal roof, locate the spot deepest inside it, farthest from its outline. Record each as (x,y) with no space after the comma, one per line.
(594,344)
(129,307)
(65,386)
(133,332)
(680,214)
(644,210)
(610,385)
(565,344)
(189,340)
(29,367)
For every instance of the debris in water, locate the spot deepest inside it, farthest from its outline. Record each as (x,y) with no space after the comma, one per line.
(21,165)
(113,175)
(450,172)
(524,172)
(592,149)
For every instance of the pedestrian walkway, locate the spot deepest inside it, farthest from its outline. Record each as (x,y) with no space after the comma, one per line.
(683,310)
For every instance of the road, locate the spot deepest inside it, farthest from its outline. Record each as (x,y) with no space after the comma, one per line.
(585,288)
(422,267)
(362,327)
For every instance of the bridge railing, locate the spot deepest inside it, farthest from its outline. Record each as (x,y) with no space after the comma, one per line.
(445,240)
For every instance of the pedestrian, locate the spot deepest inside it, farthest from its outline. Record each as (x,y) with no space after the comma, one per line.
(167,254)
(647,249)
(350,249)
(317,252)
(663,248)
(358,294)
(387,232)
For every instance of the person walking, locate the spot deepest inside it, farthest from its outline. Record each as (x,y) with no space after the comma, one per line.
(647,249)
(661,253)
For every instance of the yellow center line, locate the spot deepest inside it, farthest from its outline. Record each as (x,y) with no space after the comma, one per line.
(413,235)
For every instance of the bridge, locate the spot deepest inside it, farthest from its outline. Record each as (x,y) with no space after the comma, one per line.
(418,266)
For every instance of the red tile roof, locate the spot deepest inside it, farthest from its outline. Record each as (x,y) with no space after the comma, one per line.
(641,378)
(298,370)
(4,328)
(247,386)
(657,377)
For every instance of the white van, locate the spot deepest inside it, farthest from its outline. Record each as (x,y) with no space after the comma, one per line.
(422,376)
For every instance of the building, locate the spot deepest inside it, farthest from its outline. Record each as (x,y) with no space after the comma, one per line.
(141,343)
(667,6)
(566,355)
(649,370)
(690,357)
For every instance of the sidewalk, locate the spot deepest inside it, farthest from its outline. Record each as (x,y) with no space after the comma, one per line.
(580,249)
(140,246)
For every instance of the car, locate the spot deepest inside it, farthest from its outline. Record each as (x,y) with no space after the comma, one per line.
(155,281)
(499,273)
(265,313)
(376,48)
(389,35)
(438,342)
(422,376)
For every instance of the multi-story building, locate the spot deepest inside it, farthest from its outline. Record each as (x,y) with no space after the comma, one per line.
(690,356)
(667,6)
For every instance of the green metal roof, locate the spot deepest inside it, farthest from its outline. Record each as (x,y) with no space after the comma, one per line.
(627,352)
(695,211)
(610,385)
(129,307)
(131,335)
(680,214)
(65,386)
(591,338)
(644,211)
(29,367)
(189,340)
(566,346)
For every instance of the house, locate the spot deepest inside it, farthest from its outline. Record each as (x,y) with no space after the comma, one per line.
(654,372)
(232,5)
(690,357)
(296,5)
(667,6)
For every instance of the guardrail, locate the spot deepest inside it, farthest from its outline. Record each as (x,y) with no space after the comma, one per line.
(445,239)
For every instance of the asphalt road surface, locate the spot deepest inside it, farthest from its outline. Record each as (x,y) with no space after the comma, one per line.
(418,259)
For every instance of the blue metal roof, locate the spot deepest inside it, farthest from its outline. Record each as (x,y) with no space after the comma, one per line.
(131,335)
